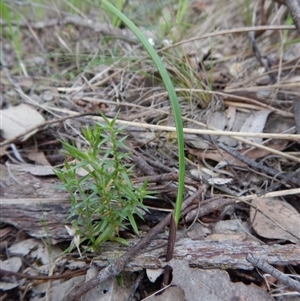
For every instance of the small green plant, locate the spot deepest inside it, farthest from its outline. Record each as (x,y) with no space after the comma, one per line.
(104,198)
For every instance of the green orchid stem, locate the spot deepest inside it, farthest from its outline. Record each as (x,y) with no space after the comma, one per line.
(173,99)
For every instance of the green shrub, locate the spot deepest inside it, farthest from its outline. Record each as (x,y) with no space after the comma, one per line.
(104,198)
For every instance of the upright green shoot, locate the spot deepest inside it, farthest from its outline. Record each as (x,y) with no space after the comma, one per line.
(173,99)
(14,33)
(181,10)
(115,20)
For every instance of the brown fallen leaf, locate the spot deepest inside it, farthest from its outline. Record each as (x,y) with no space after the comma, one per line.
(39,158)
(275,219)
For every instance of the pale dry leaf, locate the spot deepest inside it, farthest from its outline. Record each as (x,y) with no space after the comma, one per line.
(71,231)
(76,264)
(196,141)
(143,137)
(220,121)
(24,247)
(219,181)
(37,170)
(210,176)
(45,257)
(233,226)
(238,121)
(153,274)
(221,165)
(217,120)
(37,251)
(255,123)
(198,231)
(76,238)
(292,52)
(80,171)
(203,172)
(275,219)
(6,286)
(58,290)
(108,290)
(230,114)
(213,285)
(12,264)
(17,120)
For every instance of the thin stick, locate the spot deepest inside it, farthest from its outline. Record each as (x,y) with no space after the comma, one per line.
(273,194)
(230,31)
(164,128)
(259,167)
(170,251)
(261,264)
(210,132)
(294,9)
(236,135)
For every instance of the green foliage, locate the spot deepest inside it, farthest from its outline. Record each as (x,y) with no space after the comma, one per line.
(12,33)
(103,199)
(114,20)
(181,10)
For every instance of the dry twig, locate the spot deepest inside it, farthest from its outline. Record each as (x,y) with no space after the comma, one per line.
(274,272)
(259,167)
(294,9)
